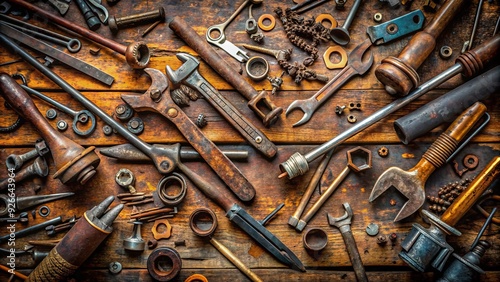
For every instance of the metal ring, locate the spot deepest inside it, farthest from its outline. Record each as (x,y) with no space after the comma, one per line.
(351,119)
(315,239)
(343,57)
(203,222)
(328,18)
(170,181)
(445,52)
(164,264)
(257,68)
(196,278)
(267,17)
(377,17)
(44,211)
(84,116)
(473,164)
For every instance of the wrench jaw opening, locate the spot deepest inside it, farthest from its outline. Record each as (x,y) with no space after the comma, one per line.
(299,104)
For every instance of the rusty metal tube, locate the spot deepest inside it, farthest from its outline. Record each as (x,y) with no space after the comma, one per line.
(447,107)
(78,244)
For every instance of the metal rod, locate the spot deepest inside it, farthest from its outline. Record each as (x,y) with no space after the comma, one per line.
(483,228)
(476,21)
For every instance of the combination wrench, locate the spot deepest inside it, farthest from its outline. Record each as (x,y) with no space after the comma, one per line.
(221,42)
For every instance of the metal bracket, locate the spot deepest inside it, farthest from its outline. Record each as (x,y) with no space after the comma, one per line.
(396,28)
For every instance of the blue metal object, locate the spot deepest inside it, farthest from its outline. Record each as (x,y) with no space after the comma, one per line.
(396,28)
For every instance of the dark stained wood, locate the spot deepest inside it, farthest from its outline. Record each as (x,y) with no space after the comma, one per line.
(381,262)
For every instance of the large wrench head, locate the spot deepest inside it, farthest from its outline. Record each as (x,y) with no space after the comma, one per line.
(355,58)
(190,65)
(306,106)
(406,182)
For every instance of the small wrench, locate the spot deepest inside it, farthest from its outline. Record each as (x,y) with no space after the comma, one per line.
(221,41)
(356,67)
(82,116)
(343,223)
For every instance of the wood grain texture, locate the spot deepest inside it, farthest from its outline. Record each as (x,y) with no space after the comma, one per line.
(381,262)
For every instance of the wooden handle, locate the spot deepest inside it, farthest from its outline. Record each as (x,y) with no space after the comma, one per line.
(473,61)
(469,197)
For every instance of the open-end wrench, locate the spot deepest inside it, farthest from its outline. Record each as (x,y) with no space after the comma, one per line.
(82,116)
(188,74)
(356,67)
(343,223)
(221,42)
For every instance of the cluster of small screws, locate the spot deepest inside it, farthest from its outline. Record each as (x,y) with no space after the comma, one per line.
(446,195)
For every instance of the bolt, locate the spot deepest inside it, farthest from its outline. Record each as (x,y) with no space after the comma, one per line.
(107,130)
(116,24)
(123,112)
(51,114)
(201,121)
(155,94)
(15,162)
(62,125)
(115,267)
(135,125)
(339,109)
(372,229)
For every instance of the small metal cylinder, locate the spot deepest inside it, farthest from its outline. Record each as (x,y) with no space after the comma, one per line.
(447,107)
(116,24)
(91,19)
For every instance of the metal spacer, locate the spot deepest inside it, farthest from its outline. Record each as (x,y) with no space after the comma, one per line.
(44,211)
(135,125)
(62,125)
(51,114)
(115,267)
(377,17)
(445,52)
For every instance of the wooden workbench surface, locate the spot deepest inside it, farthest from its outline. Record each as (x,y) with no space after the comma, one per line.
(198,256)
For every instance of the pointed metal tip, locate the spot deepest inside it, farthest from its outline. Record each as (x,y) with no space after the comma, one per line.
(99,210)
(111,215)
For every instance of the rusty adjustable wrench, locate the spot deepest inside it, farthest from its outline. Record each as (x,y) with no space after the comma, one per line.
(157,98)
(343,223)
(356,67)
(188,74)
(411,183)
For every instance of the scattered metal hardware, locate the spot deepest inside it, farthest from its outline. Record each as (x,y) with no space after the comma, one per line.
(382,240)
(383,151)
(62,125)
(356,67)
(422,247)
(430,5)
(466,268)
(44,211)
(61,6)
(64,259)
(399,75)
(95,52)
(163,195)
(307,5)
(351,118)
(268,17)
(446,195)
(327,18)
(116,24)
(337,50)
(55,53)
(201,121)
(298,164)
(82,116)
(15,162)
(26,202)
(377,17)
(125,178)
(38,168)
(276,82)
(395,28)
(33,214)
(91,19)
(412,183)
(130,199)
(152,243)
(358,159)
(72,44)
(445,52)
(188,75)
(123,112)
(51,114)
(107,130)
(164,264)
(128,152)
(220,39)
(196,278)
(258,102)
(183,95)
(135,125)
(257,68)
(52,230)
(372,229)
(163,235)
(314,241)
(471,161)
(340,34)
(137,53)
(22,218)
(252,28)
(339,4)
(457,170)
(31,229)
(152,213)
(135,241)
(115,267)
(393,237)
(203,222)
(354,106)
(339,109)
(343,223)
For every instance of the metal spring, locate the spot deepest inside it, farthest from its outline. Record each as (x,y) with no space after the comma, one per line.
(440,150)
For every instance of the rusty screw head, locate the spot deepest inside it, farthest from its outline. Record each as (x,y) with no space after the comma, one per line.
(381,240)
(393,237)
(124,177)
(383,152)
(359,159)
(155,94)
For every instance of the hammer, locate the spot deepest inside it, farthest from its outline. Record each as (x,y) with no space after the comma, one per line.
(411,183)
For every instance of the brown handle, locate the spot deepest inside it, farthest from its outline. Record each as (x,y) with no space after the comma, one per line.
(473,61)
(470,196)
(399,75)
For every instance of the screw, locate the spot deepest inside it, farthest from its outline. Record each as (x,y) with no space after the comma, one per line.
(62,125)
(155,94)
(115,267)
(339,109)
(107,130)
(15,162)
(116,24)
(51,114)
(135,125)
(372,229)
(123,112)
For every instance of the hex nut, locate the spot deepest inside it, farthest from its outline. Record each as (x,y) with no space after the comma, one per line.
(351,119)
(51,114)
(445,52)
(357,154)
(383,152)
